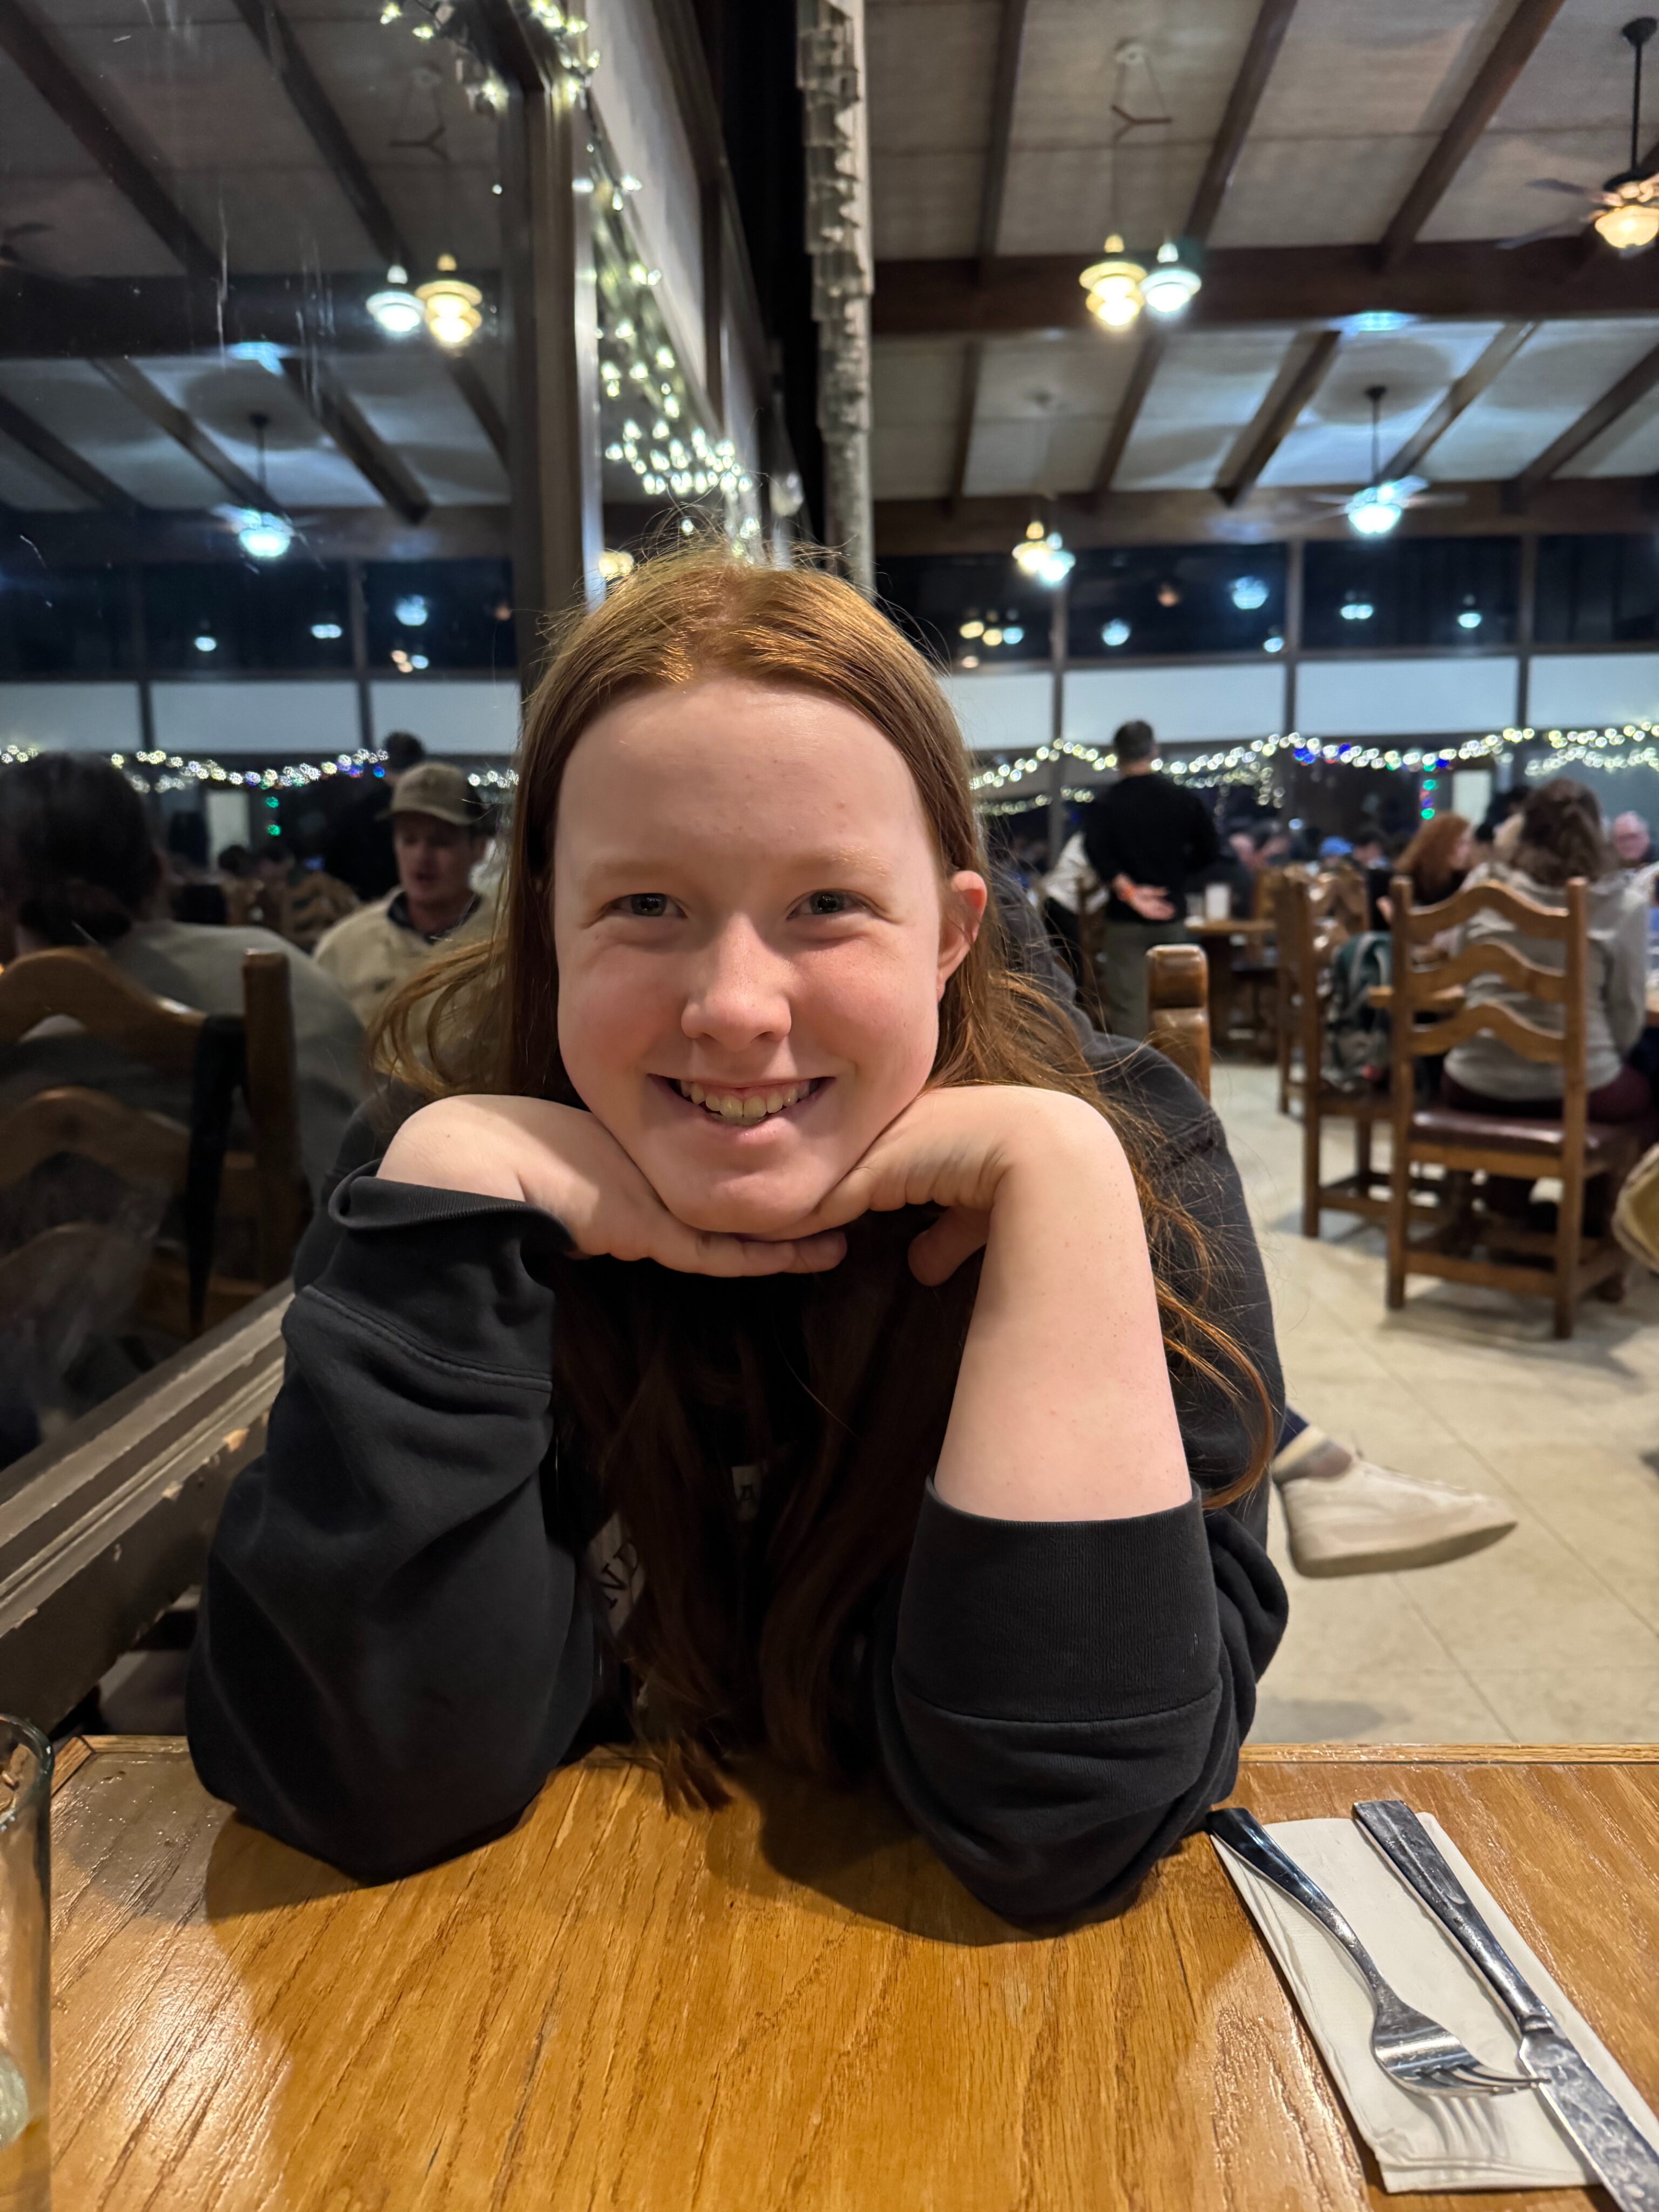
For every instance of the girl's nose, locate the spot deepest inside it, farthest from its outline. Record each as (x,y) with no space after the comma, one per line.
(741,991)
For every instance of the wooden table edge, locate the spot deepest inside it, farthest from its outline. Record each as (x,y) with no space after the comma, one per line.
(1450,1754)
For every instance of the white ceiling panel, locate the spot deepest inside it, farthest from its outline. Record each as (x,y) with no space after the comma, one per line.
(931,65)
(1058,198)
(913,461)
(1546,388)
(1208,386)
(1630,448)
(305,468)
(1331,440)
(1567,116)
(1007,458)
(73,401)
(1045,373)
(914,381)
(924,206)
(86,228)
(1352,106)
(409,402)
(26,483)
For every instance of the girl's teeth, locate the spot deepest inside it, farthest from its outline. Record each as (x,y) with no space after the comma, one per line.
(754,1108)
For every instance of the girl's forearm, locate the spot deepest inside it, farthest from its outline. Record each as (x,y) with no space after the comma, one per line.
(1062,1409)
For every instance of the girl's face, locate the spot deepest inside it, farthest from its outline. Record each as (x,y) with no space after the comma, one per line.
(753,938)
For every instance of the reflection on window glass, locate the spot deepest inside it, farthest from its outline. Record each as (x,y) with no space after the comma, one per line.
(63,622)
(1409,591)
(1597,591)
(439,614)
(966,609)
(1126,600)
(229,616)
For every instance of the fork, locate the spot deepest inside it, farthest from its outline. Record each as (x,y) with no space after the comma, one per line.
(1412,2049)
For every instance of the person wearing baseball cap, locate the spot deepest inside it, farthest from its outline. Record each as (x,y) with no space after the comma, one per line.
(438,832)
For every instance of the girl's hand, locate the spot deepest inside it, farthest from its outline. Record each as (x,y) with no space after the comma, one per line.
(968,1148)
(565,1161)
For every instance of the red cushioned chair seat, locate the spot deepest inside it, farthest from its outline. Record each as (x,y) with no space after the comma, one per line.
(1608,1145)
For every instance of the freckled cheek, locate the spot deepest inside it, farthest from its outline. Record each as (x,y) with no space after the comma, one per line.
(876,1012)
(615,1017)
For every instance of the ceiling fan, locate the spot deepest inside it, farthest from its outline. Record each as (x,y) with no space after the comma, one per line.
(1624,210)
(1375,509)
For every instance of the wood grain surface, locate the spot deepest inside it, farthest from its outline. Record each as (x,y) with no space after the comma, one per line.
(787,2004)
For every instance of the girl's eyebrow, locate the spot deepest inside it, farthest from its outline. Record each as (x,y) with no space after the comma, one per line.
(821,863)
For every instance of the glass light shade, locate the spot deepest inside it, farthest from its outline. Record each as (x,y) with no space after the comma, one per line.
(1248,592)
(396,311)
(1116,633)
(453,309)
(1114,286)
(1629,227)
(264,537)
(1168,286)
(1044,560)
(1372,516)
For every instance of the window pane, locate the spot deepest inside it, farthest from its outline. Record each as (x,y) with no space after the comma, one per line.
(1127,602)
(1415,591)
(1597,591)
(213,616)
(971,610)
(439,614)
(63,622)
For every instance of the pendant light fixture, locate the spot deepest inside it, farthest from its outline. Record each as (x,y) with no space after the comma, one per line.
(1633,225)
(1119,286)
(453,309)
(397,310)
(1375,511)
(262,535)
(1042,556)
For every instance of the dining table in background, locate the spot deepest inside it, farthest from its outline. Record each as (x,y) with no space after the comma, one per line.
(788,2003)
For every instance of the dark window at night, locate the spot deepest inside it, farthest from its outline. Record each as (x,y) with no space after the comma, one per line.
(439,614)
(971,610)
(1127,602)
(1597,591)
(1417,592)
(225,616)
(65,621)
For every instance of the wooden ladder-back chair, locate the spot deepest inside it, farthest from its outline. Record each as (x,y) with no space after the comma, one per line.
(258,1198)
(1427,1020)
(1313,920)
(1178,1000)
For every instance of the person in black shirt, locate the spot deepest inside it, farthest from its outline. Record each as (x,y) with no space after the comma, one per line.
(756,1343)
(1146,838)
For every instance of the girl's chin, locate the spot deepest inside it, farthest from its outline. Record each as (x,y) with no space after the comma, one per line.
(759,1206)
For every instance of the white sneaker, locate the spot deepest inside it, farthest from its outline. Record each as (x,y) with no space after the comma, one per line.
(1370,1521)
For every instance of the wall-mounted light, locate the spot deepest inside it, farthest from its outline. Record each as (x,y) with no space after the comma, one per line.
(326,632)
(1356,611)
(411,612)
(1248,592)
(1116,633)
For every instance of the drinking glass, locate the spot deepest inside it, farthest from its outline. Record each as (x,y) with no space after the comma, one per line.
(25,1967)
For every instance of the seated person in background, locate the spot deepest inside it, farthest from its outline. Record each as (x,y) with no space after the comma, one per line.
(438,833)
(194,892)
(1559,836)
(78,867)
(1437,859)
(1071,891)
(1632,840)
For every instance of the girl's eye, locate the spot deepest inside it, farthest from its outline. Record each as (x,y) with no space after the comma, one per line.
(645,906)
(820,904)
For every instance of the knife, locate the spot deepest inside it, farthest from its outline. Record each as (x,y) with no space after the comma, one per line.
(1593,2121)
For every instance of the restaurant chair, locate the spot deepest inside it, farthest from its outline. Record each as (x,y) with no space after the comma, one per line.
(1178,1002)
(234,1215)
(1313,920)
(1431,1013)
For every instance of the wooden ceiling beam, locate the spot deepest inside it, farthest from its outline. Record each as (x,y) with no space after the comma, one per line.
(1444,280)
(58,84)
(1616,402)
(150,401)
(1482,372)
(1494,79)
(1570,505)
(1292,390)
(1004,91)
(973,362)
(374,461)
(46,447)
(1260,52)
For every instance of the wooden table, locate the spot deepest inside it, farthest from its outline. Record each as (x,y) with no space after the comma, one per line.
(787,2004)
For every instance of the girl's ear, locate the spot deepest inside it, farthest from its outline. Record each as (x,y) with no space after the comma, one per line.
(961,912)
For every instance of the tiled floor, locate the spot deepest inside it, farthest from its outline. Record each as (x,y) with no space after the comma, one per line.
(1552,1636)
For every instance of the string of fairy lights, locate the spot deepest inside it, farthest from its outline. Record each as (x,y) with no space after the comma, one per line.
(164,771)
(1629,744)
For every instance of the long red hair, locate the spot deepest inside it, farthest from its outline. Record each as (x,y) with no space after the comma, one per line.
(849,1377)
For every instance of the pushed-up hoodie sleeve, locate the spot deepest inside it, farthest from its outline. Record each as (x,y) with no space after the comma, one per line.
(392,1651)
